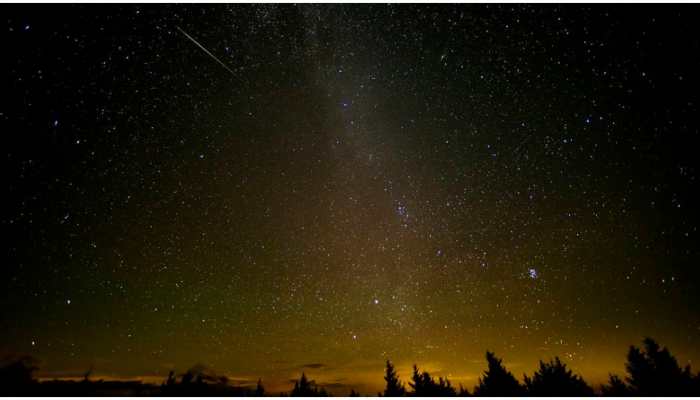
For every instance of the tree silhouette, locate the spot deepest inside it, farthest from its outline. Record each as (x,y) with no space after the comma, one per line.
(168,388)
(418,383)
(655,372)
(353,393)
(171,379)
(651,371)
(16,375)
(425,386)
(463,392)
(86,375)
(305,388)
(616,387)
(394,387)
(554,379)
(259,389)
(301,387)
(187,378)
(497,381)
(445,388)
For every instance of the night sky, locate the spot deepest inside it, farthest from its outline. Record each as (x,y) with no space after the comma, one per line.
(266,189)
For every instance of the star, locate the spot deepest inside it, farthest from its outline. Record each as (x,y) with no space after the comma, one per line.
(532,273)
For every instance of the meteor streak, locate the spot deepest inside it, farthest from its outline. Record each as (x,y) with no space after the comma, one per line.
(205,50)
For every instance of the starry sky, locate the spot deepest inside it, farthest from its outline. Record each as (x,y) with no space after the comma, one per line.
(266,189)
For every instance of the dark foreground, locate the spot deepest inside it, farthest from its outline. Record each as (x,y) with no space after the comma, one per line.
(651,371)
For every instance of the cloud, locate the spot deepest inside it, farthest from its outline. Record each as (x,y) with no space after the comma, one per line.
(314,366)
(243,381)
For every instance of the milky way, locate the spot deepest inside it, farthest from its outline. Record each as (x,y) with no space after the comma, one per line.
(418,183)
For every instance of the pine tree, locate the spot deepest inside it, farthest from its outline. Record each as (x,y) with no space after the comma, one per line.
(394,387)
(302,387)
(424,385)
(305,388)
(497,381)
(615,388)
(554,379)
(417,382)
(655,372)
(444,388)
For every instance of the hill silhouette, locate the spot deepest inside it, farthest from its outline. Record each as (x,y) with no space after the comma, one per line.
(651,371)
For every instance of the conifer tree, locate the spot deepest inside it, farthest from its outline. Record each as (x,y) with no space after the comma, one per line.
(497,381)
(394,387)
(554,379)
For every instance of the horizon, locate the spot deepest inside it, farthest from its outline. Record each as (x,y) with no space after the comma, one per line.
(334,383)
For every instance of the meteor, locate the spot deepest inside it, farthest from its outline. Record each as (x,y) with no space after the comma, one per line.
(205,50)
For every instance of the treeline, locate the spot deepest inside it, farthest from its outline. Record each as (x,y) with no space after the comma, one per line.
(651,371)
